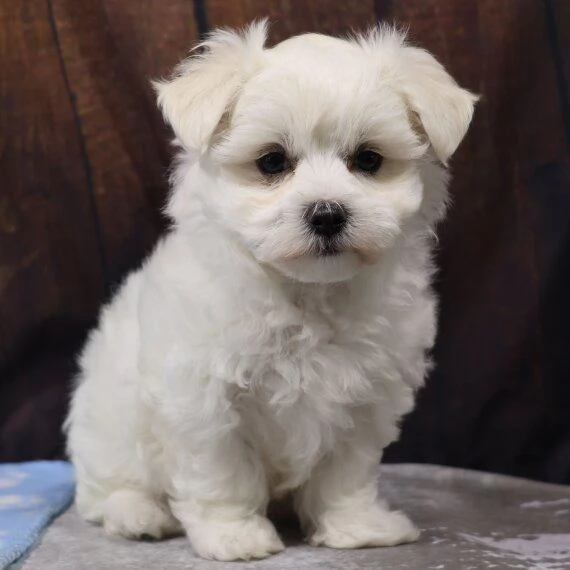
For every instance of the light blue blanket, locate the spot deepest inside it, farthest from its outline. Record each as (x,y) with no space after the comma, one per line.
(31,496)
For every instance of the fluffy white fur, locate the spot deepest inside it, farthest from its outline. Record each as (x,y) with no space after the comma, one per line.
(238,364)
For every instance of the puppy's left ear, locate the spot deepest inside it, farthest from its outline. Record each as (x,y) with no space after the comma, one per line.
(204,86)
(443,108)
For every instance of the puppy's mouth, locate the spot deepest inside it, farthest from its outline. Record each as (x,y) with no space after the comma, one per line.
(328,250)
(327,247)
(329,253)
(332,249)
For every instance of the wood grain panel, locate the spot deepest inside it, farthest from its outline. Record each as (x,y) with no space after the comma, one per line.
(558,21)
(49,260)
(491,390)
(548,445)
(50,263)
(111,50)
(289,17)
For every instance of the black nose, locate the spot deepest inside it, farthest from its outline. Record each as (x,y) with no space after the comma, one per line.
(326,218)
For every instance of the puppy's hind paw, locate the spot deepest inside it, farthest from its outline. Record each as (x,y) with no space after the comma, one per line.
(134,514)
(378,527)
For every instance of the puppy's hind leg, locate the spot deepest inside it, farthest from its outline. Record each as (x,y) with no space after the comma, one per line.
(135,513)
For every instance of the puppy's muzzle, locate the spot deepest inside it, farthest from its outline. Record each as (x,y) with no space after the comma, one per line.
(326,219)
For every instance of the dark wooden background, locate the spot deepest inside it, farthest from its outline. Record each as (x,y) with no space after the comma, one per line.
(83,159)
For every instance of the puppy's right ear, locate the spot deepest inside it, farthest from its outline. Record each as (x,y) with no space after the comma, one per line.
(204,86)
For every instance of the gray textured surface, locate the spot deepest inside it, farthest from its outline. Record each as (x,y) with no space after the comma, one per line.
(470,521)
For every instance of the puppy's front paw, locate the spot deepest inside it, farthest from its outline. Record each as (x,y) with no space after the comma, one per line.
(243,539)
(359,528)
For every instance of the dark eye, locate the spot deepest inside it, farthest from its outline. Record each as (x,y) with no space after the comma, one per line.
(367,161)
(273,163)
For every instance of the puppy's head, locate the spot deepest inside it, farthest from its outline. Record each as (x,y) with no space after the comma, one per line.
(310,152)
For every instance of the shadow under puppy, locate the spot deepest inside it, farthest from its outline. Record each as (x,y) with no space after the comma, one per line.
(277,334)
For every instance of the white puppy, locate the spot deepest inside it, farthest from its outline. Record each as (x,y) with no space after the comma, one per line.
(276,336)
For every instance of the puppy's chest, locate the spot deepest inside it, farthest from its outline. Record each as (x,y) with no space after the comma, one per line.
(320,355)
(317,349)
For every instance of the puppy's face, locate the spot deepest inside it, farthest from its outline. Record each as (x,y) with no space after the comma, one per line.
(314,144)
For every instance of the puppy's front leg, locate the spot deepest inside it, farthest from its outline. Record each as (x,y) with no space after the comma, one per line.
(340,508)
(218,491)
